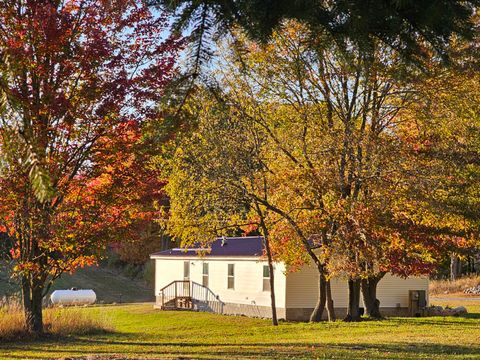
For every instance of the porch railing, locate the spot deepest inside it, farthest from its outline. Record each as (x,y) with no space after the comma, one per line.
(189,295)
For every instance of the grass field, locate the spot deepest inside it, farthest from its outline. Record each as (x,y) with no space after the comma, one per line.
(141,332)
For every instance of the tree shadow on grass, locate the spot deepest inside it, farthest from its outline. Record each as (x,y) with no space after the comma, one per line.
(126,345)
(47,337)
(136,346)
(458,320)
(470,316)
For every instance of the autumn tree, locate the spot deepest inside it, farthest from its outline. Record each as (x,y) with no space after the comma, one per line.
(444,138)
(133,189)
(72,73)
(332,120)
(231,170)
(215,167)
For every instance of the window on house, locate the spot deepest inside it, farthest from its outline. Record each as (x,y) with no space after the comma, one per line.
(231,276)
(186,279)
(266,278)
(205,274)
(186,270)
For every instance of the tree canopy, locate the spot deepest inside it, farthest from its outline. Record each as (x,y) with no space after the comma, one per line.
(409,27)
(324,140)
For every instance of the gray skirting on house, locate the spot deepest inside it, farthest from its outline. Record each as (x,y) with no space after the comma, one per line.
(303,314)
(296,314)
(289,314)
(252,310)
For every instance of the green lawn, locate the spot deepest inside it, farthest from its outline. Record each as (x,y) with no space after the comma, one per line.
(141,332)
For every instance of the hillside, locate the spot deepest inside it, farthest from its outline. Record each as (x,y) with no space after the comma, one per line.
(109,286)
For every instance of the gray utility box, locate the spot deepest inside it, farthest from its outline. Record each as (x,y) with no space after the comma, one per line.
(417,302)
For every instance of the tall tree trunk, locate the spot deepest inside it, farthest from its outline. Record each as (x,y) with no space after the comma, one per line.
(330,305)
(369,294)
(37,298)
(32,305)
(455,267)
(270,265)
(471,264)
(272,280)
(317,312)
(27,302)
(353,311)
(33,286)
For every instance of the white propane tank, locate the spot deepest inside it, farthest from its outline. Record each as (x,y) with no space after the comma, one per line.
(73,297)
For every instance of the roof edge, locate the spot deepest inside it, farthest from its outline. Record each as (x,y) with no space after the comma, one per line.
(196,257)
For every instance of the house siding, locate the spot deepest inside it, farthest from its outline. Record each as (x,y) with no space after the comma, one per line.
(302,289)
(296,293)
(393,290)
(302,293)
(167,271)
(246,298)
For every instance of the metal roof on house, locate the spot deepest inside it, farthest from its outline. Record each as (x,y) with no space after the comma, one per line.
(249,246)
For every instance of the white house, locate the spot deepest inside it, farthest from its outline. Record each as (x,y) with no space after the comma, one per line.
(232,277)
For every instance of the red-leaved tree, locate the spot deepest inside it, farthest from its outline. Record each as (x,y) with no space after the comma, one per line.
(133,190)
(72,74)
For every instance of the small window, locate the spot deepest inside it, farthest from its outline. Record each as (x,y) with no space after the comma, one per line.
(186,270)
(266,278)
(205,274)
(231,276)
